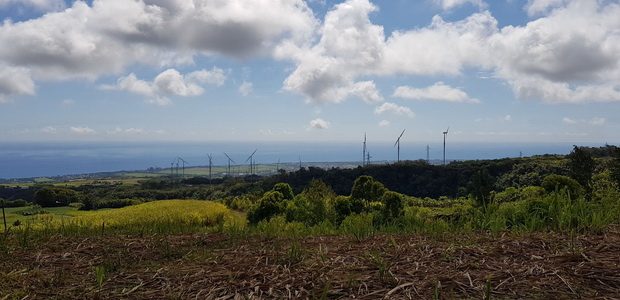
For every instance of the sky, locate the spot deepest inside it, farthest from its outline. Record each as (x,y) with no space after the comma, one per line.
(290,70)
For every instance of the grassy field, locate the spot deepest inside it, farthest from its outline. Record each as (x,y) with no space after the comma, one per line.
(168,216)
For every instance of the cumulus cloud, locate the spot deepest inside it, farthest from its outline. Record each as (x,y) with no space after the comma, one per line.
(105,37)
(394,109)
(170,83)
(537,7)
(40,5)
(82,130)
(15,81)
(507,118)
(349,45)
(437,92)
(571,55)
(246,88)
(450,4)
(319,124)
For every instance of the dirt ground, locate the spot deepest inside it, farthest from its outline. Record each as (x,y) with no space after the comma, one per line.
(477,266)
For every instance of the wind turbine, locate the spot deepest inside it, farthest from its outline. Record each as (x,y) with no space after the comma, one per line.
(229,160)
(428,154)
(278,166)
(183,162)
(210,165)
(445,134)
(368,157)
(251,160)
(397,144)
(364,151)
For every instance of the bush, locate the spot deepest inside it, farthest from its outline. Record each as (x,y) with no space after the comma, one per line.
(360,226)
(342,208)
(393,206)
(271,204)
(53,197)
(15,203)
(367,188)
(285,189)
(94,204)
(553,183)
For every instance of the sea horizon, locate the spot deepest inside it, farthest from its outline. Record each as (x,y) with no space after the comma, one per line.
(48,159)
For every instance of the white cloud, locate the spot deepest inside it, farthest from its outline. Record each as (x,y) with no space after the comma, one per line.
(569,56)
(14,82)
(49,130)
(82,130)
(349,45)
(596,121)
(508,118)
(40,5)
(537,7)
(246,88)
(169,83)
(319,124)
(437,92)
(88,41)
(384,123)
(450,4)
(127,131)
(396,109)
(568,120)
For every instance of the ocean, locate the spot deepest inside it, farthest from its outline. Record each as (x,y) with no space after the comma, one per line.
(23,160)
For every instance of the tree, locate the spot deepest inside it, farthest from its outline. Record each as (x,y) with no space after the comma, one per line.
(52,196)
(555,182)
(480,187)
(367,188)
(581,168)
(285,189)
(271,204)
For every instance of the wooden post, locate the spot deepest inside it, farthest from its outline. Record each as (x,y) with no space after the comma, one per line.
(6,229)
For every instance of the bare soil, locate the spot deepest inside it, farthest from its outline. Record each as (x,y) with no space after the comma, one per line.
(212,266)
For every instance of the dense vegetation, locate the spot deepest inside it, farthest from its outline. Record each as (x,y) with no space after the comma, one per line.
(575,192)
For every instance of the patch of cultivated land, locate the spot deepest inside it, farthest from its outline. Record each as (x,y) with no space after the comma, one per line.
(508,266)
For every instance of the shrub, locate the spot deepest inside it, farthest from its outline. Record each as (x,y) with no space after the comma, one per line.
(271,204)
(342,208)
(360,226)
(367,188)
(52,197)
(393,205)
(554,183)
(285,189)
(510,194)
(15,203)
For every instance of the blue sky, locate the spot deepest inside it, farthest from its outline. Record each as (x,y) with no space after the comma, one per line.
(269,70)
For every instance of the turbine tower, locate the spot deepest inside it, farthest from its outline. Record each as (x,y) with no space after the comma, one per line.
(251,160)
(183,162)
(229,161)
(368,157)
(364,151)
(210,166)
(397,144)
(428,154)
(445,134)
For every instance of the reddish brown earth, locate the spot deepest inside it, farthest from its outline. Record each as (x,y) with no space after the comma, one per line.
(508,266)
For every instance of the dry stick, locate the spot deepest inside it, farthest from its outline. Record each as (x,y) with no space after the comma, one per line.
(394,290)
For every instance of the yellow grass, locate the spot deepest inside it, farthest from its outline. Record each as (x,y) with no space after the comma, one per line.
(156,216)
